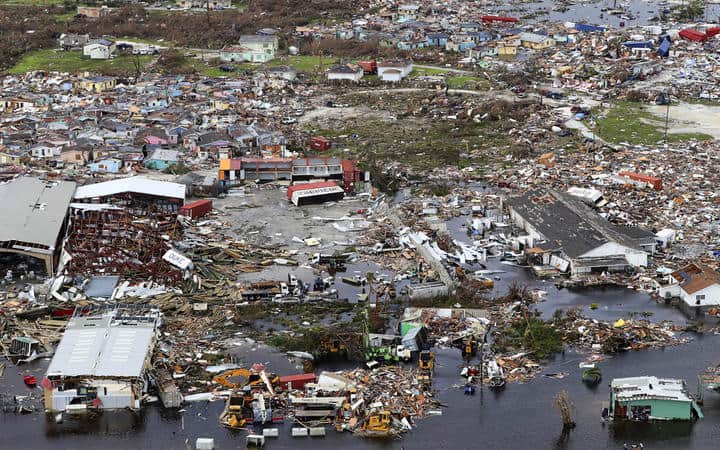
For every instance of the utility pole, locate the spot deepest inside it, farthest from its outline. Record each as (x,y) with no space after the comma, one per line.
(482,370)
(667,116)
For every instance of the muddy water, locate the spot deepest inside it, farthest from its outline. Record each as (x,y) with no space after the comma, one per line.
(637,12)
(521,416)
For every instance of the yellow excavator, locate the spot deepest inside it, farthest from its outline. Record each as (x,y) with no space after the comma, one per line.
(333,348)
(469,348)
(426,361)
(233,416)
(237,378)
(378,423)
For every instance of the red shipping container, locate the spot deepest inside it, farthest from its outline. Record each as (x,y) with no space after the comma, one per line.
(655,182)
(369,67)
(196,209)
(498,19)
(693,35)
(297,381)
(320,143)
(308,186)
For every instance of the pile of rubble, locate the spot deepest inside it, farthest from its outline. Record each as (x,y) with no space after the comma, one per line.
(620,336)
(389,388)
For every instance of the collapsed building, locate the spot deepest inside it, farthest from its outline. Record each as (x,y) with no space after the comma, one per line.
(103,359)
(567,234)
(34,220)
(346,172)
(122,227)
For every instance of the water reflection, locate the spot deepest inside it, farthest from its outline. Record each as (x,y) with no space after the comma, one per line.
(101,422)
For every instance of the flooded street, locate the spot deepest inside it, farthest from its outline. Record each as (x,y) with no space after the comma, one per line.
(520,416)
(636,12)
(227,284)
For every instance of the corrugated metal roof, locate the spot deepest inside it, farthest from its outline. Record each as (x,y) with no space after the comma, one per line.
(34,210)
(102,346)
(137,185)
(650,387)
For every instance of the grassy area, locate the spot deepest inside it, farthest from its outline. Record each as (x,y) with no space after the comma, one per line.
(467,82)
(632,123)
(305,63)
(32,2)
(422,145)
(424,72)
(73,61)
(66,17)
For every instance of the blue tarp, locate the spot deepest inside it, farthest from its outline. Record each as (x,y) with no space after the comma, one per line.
(664,47)
(586,28)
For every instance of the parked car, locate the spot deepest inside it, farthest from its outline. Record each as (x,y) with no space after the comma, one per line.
(288,120)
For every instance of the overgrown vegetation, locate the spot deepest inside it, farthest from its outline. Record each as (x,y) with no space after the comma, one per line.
(535,335)
(692,10)
(73,61)
(27,28)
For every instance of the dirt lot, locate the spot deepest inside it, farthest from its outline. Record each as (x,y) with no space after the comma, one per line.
(691,118)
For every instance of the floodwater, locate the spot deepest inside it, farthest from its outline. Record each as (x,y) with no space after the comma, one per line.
(636,12)
(520,416)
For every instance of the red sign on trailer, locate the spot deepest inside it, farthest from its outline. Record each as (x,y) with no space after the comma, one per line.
(369,67)
(301,194)
(498,19)
(196,209)
(297,381)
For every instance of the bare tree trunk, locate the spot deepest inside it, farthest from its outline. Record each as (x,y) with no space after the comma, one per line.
(563,403)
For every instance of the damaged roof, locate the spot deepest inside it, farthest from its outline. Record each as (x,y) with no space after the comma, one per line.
(34,210)
(138,185)
(571,224)
(649,387)
(107,345)
(695,277)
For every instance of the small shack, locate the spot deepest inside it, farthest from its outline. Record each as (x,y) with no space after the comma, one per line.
(650,398)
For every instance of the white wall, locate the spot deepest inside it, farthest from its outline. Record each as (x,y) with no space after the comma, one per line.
(671,290)
(345,76)
(392,76)
(711,293)
(404,71)
(636,258)
(119,395)
(520,222)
